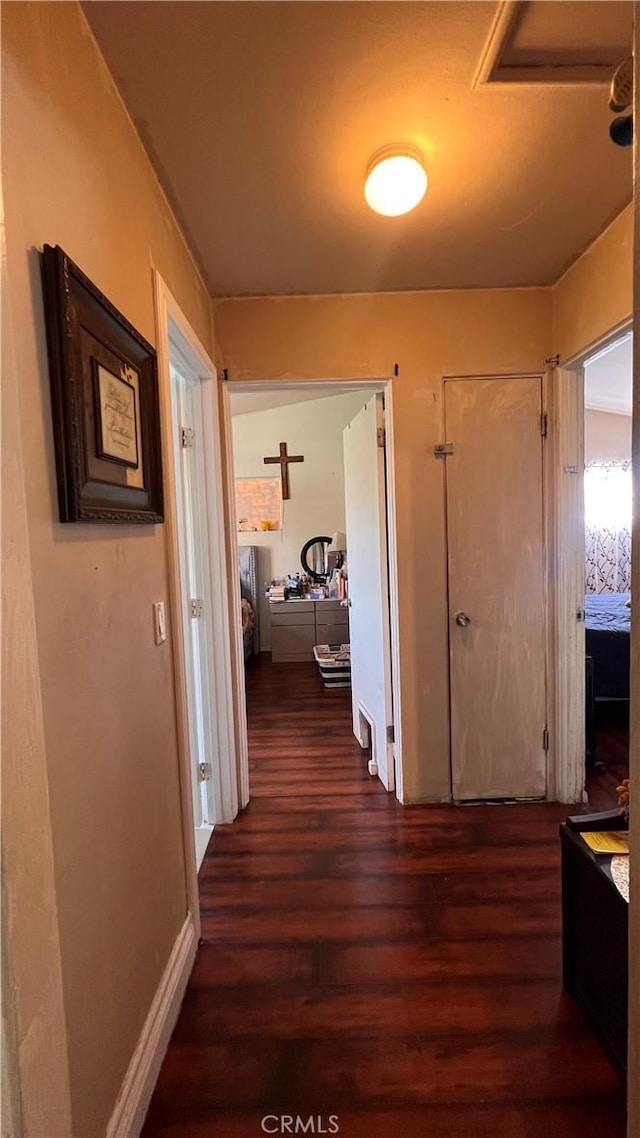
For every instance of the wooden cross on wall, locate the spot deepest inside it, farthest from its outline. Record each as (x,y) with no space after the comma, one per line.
(284,459)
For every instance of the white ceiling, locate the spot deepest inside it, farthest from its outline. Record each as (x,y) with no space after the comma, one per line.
(608,379)
(260,119)
(248,402)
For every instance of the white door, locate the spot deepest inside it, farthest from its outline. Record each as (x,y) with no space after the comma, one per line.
(497,595)
(203,605)
(365,501)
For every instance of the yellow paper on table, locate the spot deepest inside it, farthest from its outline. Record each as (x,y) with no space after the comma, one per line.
(607,841)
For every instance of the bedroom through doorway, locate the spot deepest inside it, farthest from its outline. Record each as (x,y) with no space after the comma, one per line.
(312,522)
(608,382)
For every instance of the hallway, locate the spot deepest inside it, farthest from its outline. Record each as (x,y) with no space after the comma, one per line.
(396,968)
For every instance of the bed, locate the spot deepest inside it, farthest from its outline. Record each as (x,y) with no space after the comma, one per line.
(608,627)
(248,570)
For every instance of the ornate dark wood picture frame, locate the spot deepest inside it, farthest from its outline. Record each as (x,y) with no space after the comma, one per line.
(104,397)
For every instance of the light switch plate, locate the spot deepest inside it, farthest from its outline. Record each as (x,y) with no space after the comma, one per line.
(160,622)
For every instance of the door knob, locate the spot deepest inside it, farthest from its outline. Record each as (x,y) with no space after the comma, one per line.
(462,619)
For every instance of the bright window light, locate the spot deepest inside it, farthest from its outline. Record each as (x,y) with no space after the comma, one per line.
(608,495)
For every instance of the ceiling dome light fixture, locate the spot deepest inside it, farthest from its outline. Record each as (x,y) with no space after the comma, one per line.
(396,180)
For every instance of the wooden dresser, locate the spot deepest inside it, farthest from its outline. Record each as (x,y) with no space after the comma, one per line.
(297,625)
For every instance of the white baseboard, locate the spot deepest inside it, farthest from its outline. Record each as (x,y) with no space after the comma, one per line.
(203,837)
(135,1094)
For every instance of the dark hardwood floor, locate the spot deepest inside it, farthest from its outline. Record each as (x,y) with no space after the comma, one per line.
(612,754)
(396,967)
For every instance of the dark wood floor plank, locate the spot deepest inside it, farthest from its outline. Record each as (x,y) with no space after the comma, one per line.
(385,841)
(397,967)
(304,926)
(378,923)
(332,893)
(411,1071)
(449,860)
(428,1010)
(528,885)
(500,958)
(222,966)
(291,1076)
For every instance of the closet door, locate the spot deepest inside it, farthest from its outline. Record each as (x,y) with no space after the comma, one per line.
(497,593)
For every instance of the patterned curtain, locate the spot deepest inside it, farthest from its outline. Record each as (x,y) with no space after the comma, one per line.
(607,509)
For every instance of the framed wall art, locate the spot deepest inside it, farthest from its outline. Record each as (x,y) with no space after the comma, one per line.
(104,397)
(258,504)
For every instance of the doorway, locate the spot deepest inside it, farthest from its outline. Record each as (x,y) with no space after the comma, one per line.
(288,630)
(608,384)
(591,559)
(496,557)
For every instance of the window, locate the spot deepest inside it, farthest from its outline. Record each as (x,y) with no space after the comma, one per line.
(607,495)
(607,515)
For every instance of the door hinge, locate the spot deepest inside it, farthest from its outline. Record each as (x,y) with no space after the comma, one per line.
(553,361)
(381,436)
(580,614)
(204,771)
(545,739)
(441,450)
(544,424)
(187,437)
(196,608)
(391,733)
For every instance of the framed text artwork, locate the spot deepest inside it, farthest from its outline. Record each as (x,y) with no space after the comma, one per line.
(104,397)
(258,504)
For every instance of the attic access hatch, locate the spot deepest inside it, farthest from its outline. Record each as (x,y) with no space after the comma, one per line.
(566,42)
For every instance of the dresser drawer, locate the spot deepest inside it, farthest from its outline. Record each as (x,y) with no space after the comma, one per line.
(294,612)
(293,640)
(338,616)
(330,605)
(332,633)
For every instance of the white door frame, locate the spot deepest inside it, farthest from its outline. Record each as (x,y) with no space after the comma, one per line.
(568,706)
(566,425)
(333,386)
(173,329)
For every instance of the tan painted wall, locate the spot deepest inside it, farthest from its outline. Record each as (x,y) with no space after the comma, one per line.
(428,335)
(607,437)
(75,174)
(595,295)
(34,1043)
